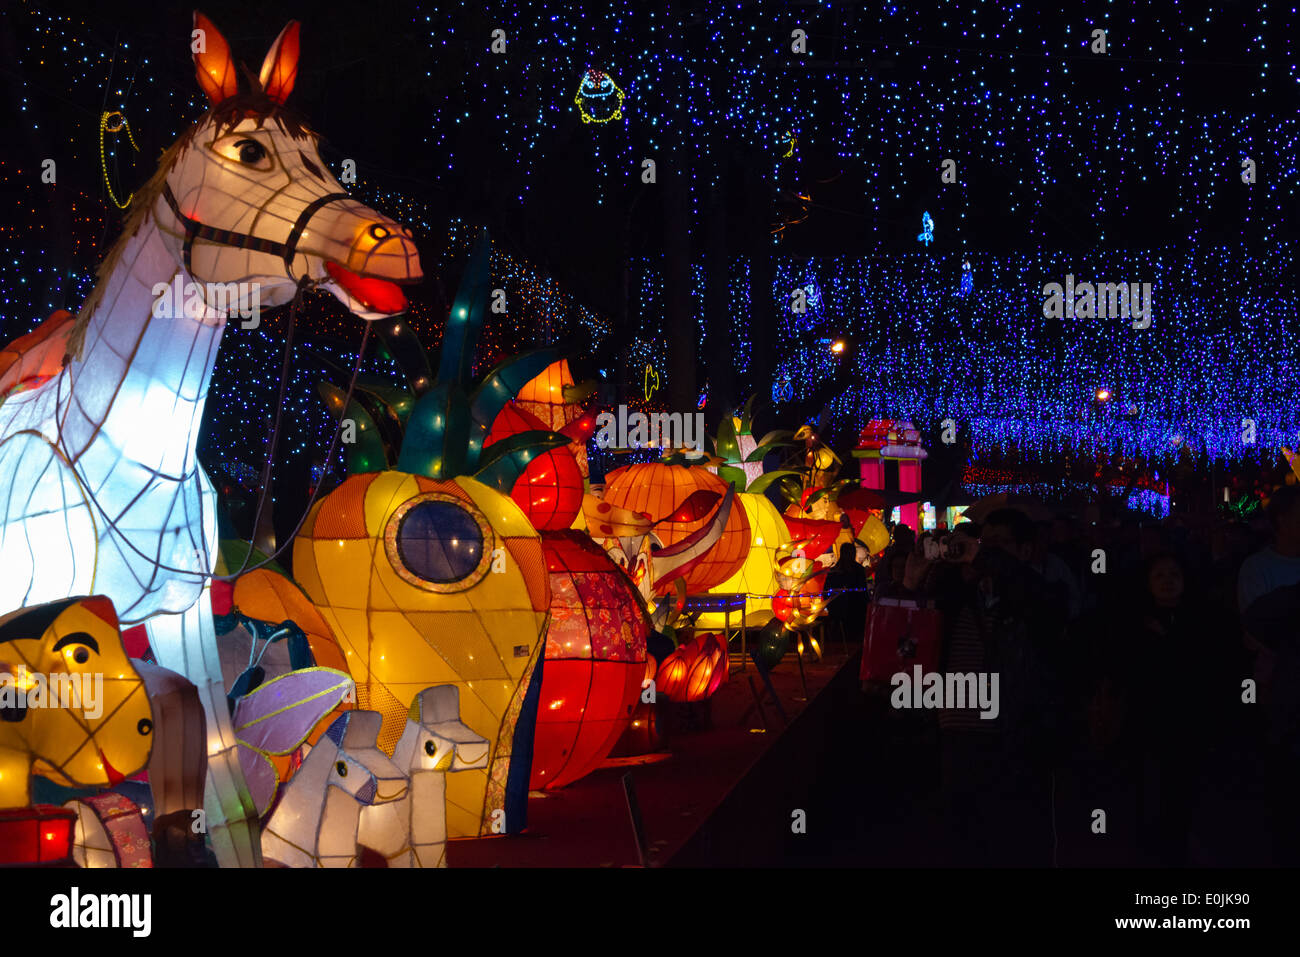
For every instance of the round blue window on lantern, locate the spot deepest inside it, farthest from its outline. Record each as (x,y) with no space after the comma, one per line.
(439,542)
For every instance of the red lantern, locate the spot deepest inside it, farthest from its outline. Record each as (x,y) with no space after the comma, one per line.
(671,678)
(37,835)
(595,660)
(661,491)
(694,671)
(550,489)
(543,397)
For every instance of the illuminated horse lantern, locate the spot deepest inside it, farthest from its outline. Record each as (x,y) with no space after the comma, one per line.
(103,492)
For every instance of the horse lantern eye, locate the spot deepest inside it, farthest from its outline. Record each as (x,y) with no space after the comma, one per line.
(430,748)
(251,152)
(342,768)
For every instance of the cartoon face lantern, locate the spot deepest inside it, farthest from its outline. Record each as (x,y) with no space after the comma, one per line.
(72,707)
(430,582)
(664,493)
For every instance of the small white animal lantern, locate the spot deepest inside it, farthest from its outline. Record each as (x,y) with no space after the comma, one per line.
(315,823)
(412,831)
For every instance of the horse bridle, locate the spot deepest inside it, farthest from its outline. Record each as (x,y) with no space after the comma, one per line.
(228,237)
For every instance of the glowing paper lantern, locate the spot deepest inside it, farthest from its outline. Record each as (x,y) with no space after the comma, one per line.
(72,707)
(595,660)
(694,671)
(671,677)
(885,440)
(37,357)
(801,575)
(430,582)
(276,718)
(757,576)
(316,822)
(429,574)
(412,830)
(555,399)
(40,835)
(549,491)
(267,596)
(178,765)
(664,492)
(744,456)
(110,832)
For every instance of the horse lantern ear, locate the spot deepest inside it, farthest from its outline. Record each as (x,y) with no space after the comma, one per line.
(212,63)
(280,68)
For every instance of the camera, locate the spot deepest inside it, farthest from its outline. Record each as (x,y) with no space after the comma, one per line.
(949,548)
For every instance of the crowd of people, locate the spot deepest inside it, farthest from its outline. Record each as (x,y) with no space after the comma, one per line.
(1148,671)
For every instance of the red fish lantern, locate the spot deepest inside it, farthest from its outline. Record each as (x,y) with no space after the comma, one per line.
(595,660)
(550,489)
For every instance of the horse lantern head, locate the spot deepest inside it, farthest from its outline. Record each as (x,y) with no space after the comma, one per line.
(252,203)
(72,707)
(361,769)
(435,739)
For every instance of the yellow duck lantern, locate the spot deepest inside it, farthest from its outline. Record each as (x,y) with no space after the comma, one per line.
(428,573)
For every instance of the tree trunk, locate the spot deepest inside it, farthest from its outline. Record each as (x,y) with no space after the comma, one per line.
(762,275)
(720,357)
(680,325)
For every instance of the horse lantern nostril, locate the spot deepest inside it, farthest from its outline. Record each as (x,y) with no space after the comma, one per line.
(144,726)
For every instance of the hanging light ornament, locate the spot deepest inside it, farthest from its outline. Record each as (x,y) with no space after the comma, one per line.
(599,99)
(112,121)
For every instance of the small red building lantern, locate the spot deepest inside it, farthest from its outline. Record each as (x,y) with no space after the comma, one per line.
(885,440)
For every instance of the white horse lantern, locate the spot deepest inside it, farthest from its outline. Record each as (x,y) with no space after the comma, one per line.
(103,492)
(412,831)
(315,823)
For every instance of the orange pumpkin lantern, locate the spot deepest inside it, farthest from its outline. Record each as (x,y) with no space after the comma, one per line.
(550,489)
(595,660)
(661,491)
